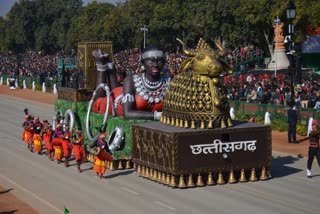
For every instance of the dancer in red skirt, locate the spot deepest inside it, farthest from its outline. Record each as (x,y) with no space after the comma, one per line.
(78,150)
(57,142)
(27,134)
(101,156)
(47,133)
(37,140)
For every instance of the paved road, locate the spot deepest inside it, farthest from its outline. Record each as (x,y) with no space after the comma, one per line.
(49,187)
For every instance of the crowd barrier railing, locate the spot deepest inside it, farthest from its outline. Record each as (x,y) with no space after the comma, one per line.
(49,82)
(276,111)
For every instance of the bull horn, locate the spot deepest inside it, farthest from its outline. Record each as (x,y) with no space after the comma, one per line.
(186,50)
(218,44)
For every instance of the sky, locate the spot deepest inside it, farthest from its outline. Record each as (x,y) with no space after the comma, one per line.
(5,5)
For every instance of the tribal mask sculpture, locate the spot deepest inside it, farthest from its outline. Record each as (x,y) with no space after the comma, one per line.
(195,98)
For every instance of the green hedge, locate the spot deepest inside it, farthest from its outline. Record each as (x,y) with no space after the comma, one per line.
(277,123)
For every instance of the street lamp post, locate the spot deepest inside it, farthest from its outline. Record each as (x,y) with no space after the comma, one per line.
(291,14)
(144,29)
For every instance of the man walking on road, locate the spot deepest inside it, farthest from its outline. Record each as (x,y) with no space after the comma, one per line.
(292,120)
(314,150)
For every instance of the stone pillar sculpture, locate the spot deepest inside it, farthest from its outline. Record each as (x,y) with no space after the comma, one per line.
(279,59)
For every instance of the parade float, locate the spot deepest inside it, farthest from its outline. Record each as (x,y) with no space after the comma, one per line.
(75,106)
(195,143)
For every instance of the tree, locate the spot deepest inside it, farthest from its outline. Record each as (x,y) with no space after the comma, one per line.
(2,34)
(307,18)
(54,20)
(53,25)
(164,25)
(20,26)
(118,30)
(89,25)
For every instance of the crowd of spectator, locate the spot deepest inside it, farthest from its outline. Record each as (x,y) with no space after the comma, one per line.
(238,55)
(35,64)
(268,89)
(262,88)
(30,64)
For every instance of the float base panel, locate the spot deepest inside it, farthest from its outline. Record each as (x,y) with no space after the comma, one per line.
(74,95)
(169,149)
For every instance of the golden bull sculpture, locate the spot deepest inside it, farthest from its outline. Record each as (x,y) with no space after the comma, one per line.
(195,98)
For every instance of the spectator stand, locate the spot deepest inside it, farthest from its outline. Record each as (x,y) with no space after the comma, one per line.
(31,67)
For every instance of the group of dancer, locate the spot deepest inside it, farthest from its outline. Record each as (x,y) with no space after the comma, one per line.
(61,143)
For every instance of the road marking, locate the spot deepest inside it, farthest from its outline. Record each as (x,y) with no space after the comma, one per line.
(273,199)
(164,205)
(34,195)
(130,191)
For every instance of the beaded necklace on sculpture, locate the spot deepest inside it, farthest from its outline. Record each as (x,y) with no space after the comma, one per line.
(150,84)
(153,92)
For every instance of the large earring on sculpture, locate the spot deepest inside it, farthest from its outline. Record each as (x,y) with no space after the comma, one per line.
(142,68)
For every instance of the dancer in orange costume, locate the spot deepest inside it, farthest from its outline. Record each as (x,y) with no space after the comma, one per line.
(57,143)
(101,156)
(37,140)
(78,150)
(37,123)
(27,134)
(47,133)
(66,145)
(37,135)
